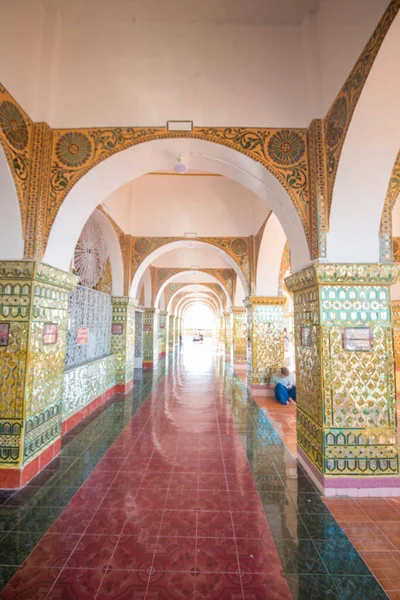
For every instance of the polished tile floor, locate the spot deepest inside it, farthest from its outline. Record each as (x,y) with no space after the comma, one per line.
(180,490)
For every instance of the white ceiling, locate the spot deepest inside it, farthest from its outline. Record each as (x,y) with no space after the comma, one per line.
(270,12)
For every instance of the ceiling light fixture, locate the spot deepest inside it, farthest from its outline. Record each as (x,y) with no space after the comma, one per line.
(180,166)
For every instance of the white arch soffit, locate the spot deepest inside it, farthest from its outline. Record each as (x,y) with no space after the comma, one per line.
(367,159)
(196,296)
(158,155)
(270,258)
(188,289)
(113,247)
(183,244)
(194,301)
(11,238)
(178,275)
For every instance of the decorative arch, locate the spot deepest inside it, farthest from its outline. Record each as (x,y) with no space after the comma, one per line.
(203,300)
(200,289)
(16,149)
(192,301)
(197,296)
(105,176)
(392,194)
(370,147)
(176,276)
(226,277)
(183,243)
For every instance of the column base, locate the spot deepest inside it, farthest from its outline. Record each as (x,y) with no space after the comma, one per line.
(148,364)
(17,478)
(11,479)
(359,487)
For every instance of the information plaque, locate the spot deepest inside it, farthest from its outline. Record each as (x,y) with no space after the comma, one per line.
(357,339)
(4,333)
(50,334)
(117,328)
(305,336)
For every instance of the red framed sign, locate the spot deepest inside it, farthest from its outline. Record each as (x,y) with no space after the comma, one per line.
(305,336)
(146,327)
(357,339)
(50,334)
(82,336)
(4,333)
(117,328)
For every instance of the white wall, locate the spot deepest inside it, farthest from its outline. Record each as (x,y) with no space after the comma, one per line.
(80,67)
(185,257)
(20,50)
(208,206)
(270,257)
(343,29)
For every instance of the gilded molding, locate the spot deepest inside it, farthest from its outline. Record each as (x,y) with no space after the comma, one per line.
(16,138)
(264,301)
(226,277)
(343,273)
(387,251)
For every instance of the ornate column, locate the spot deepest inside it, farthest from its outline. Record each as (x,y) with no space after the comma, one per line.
(150,327)
(162,332)
(221,329)
(123,340)
(265,349)
(138,339)
(33,329)
(176,329)
(171,333)
(228,332)
(346,402)
(239,333)
(396,340)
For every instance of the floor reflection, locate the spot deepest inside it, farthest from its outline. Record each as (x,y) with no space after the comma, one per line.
(195,491)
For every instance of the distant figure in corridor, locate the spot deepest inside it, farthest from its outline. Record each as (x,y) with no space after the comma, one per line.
(284,384)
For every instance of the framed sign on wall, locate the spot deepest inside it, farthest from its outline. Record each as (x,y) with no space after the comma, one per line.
(305,336)
(117,328)
(357,339)
(4,333)
(50,334)
(82,336)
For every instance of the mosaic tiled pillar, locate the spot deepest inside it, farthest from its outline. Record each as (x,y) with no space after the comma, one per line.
(150,327)
(221,329)
(138,339)
(171,333)
(162,332)
(33,329)
(239,333)
(346,403)
(396,340)
(265,349)
(228,332)
(176,329)
(123,340)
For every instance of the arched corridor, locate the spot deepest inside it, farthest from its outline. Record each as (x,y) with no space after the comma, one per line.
(199,300)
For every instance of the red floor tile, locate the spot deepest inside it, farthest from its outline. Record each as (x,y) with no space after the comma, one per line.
(30,583)
(178,523)
(93,551)
(212,524)
(218,586)
(123,585)
(133,553)
(175,554)
(53,550)
(216,555)
(76,583)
